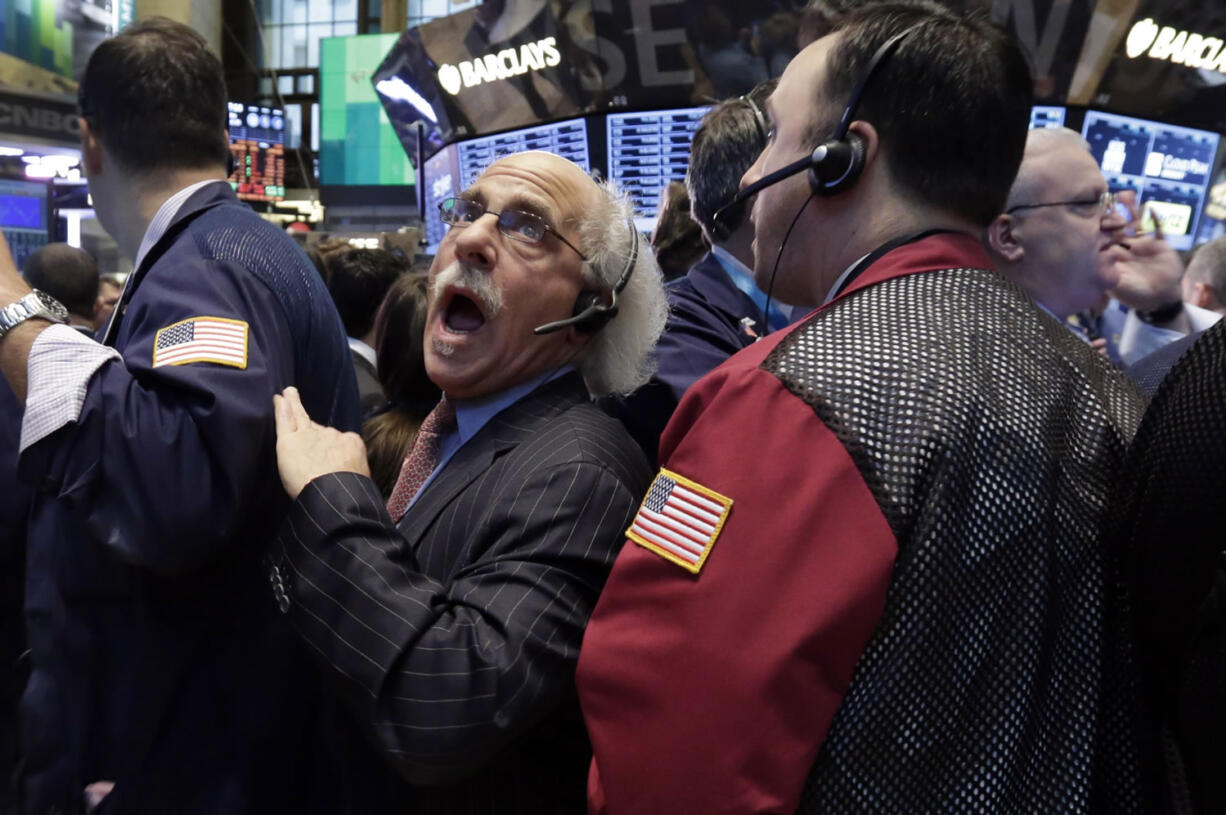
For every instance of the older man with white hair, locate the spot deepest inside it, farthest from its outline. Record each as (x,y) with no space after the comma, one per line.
(1064,239)
(1059,222)
(451,618)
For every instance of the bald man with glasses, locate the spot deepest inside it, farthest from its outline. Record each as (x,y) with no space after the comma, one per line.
(1059,225)
(1063,238)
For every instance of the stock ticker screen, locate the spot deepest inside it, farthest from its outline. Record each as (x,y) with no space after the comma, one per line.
(1046,116)
(257,141)
(25,211)
(646,151)
(454,168)
(1168,166)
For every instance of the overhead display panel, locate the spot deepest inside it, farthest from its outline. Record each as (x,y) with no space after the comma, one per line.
(1047,116)
(647,150)
(257,142)
(357,146)
(507,65)
(1169,167)
(1170,64)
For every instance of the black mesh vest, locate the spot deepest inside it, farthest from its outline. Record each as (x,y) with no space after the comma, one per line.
(998,679)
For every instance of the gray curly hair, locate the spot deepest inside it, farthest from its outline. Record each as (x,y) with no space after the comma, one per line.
(619,358)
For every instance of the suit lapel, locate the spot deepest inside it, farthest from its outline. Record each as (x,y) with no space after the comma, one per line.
(500,434)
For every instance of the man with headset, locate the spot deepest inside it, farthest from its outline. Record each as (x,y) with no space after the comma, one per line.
(868,577)
(716,309)
(450,619)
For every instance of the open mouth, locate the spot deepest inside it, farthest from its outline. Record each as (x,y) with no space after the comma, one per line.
(462,315)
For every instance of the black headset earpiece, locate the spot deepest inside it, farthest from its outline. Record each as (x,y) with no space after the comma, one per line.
(590,313)
(835,165)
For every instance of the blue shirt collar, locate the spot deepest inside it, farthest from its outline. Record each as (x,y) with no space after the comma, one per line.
(473,414)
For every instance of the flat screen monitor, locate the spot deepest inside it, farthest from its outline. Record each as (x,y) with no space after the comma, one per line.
(1168,166)
(357,144)
(454,168)
(442,179)
(25,216)
(1046,116)
(646,151)
(257,141)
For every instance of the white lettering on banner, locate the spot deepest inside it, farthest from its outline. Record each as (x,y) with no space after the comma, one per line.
(1177,169)
(507,63)
(1147,38)
(35,118)
(648,39)
(1041,47)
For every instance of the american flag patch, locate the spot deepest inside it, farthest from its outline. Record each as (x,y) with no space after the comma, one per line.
(202,339)
(679,520)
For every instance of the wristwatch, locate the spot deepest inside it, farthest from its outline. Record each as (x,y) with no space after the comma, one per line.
(35,304)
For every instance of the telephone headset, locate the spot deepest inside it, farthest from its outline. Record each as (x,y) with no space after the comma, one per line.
(836,164)
(591,313)
(729,218)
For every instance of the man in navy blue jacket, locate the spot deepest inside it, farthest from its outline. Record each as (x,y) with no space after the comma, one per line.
(716,309)
(161,678)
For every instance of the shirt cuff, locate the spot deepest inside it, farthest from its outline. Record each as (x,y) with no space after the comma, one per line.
(62,361)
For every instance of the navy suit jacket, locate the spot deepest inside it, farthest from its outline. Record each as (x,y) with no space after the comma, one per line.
(370,390)
(157,660)
(705,327)
(454,634)
(15,499)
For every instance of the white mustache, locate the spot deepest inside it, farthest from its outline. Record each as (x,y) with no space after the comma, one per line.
(484,291)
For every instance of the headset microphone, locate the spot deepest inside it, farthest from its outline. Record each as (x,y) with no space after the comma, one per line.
(590,312)
(834,165)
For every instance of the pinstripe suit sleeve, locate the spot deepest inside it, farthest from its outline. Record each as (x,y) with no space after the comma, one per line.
(447,673)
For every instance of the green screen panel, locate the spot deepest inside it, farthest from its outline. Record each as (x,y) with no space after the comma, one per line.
(357,145)
(38,32)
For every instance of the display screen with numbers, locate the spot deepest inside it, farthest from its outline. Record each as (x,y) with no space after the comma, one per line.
(25,214)
(647,150)
(257,142)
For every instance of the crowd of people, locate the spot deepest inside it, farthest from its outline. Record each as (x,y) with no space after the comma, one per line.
(866,509)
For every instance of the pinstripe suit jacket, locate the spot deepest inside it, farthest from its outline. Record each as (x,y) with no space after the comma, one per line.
(454,635)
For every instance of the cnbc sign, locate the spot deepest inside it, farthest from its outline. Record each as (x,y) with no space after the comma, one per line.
(532,56)
(1147,38)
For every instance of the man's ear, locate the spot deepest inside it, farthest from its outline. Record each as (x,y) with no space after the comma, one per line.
(91,149)
(1204,296)
(1003,238)
(872,140)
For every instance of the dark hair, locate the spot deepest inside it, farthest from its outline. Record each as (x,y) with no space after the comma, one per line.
(951,105)
(677,241)
(726,143)
(68,274)
(317,260)
(156,97)
(358,280)
(818,18)
(400,326)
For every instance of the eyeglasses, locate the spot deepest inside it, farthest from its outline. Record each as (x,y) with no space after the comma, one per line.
(1086,208)
(516,224)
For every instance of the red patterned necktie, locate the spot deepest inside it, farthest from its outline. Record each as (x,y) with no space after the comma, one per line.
(422,457)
